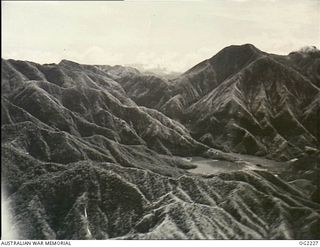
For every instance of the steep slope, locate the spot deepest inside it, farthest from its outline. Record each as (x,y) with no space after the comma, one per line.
(260,110)
(207,75)
(144,89)
(87,102)
(172,96)
(243,100)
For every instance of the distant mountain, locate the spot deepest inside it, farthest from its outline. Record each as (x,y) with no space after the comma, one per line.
(100,152)
(156,71)
(306,61)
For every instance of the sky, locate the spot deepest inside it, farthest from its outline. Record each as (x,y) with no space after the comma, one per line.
(172,34)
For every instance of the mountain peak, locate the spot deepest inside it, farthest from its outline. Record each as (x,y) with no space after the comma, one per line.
(68,63)
(243,46)
(246,50)
(305,52)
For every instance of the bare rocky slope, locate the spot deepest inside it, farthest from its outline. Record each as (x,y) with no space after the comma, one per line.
(84,155)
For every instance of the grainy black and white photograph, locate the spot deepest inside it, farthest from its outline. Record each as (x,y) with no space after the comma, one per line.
(160,120)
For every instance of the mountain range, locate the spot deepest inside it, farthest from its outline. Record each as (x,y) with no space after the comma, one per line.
(99,151)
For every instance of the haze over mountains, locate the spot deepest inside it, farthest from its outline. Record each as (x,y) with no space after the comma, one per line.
(96,151)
